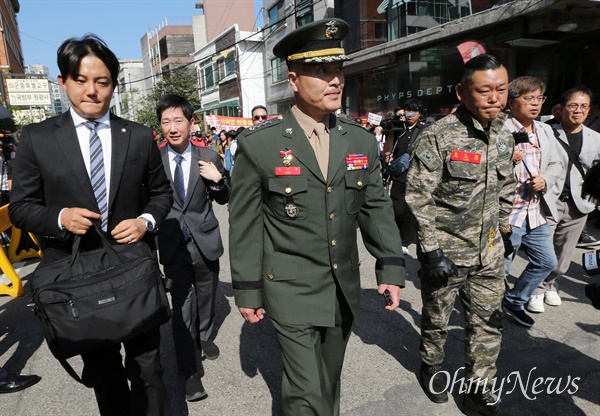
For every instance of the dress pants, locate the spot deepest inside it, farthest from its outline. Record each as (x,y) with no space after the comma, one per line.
(313,358)
(566,234)
(405,219)
(103,370)
(193,293)
(481,290)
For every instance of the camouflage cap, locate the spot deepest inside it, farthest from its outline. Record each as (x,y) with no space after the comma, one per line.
(315,43)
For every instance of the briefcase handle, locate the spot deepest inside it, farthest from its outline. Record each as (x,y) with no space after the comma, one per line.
(111,253)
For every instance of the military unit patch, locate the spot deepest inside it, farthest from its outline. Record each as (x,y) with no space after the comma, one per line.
(429,159)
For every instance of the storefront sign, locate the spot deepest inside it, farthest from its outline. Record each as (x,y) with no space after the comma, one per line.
(400,95)
(28,91)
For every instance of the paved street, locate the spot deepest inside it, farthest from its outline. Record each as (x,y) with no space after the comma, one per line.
(562,348)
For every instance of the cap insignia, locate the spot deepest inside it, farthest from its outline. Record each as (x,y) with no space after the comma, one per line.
(332,29)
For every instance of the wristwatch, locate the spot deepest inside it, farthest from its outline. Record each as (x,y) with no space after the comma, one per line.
(221,183)
(149,225)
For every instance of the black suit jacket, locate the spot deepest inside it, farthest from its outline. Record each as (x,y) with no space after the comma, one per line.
(49,174)
(196,210)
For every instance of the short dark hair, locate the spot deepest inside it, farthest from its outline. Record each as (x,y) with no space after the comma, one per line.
(256,107)
(174,101)
(413,104)
(484,62)
(525,84)
(73,50)
(574,90)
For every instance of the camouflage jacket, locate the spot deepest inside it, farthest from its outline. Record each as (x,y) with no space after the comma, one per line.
(460,187)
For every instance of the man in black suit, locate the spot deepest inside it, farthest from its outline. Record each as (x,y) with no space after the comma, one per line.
(52,196)
(189,240)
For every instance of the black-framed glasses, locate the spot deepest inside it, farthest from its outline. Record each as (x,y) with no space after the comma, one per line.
(260,117)
(575,106)
(530,98)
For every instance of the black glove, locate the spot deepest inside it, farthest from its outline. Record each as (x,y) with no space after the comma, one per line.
(434,265)
(508,247)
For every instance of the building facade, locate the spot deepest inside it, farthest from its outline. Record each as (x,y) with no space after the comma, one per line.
(164,49)
(130,90)
(403,49)
(231,74)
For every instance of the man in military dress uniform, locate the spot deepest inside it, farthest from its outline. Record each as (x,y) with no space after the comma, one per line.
(460,188)
(301,186)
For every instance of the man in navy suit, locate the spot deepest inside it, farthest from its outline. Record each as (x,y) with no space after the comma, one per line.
(190,240)
(53,196)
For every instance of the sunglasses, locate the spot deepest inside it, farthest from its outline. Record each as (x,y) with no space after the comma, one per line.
(260,117)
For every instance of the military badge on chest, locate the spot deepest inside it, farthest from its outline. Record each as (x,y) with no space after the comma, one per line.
(290,209)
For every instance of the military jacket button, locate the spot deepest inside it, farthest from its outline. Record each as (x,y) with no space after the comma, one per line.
(329,189)
(335,266)
(359,183)
(333,243)
(288,190)
(331,216)
(270,276)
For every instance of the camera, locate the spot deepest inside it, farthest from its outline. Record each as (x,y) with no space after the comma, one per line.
(197,134)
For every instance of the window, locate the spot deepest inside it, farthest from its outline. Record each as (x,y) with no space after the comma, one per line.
(230,64)
(276,14)
(208,76)
(380,29)
(304,12)
(276,69)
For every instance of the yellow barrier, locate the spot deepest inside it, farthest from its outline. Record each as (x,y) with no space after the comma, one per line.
(6,261)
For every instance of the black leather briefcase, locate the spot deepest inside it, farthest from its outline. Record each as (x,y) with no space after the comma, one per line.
(99,298)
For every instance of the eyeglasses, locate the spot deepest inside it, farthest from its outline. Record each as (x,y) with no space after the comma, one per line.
(575,106)
(260,117)
(530,98)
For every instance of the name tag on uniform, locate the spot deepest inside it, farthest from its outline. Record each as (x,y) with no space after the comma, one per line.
(466,157)
(287,170)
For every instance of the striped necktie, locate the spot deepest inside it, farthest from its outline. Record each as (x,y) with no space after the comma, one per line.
(97,172)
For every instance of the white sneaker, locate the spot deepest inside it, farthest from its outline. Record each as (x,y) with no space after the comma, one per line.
(536,304)
(405,250)
(551,298)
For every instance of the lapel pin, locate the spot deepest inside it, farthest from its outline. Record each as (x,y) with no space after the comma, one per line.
(124,130)
(340,128)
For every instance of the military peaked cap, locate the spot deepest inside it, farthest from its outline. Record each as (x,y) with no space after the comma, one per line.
(314,43)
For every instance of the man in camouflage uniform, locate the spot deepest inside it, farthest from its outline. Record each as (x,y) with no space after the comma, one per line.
(460,188)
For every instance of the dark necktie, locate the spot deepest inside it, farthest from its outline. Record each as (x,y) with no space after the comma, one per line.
(97,172)
(180,189)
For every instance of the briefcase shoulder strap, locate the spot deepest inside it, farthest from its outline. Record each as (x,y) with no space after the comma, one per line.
(572,156)
(70,370)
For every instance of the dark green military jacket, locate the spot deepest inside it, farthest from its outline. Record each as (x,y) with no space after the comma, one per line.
(291,236)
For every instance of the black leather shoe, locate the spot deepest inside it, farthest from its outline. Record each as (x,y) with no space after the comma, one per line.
(194,390)
(210,351)
(434,382)
(482,404)
(13,382)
